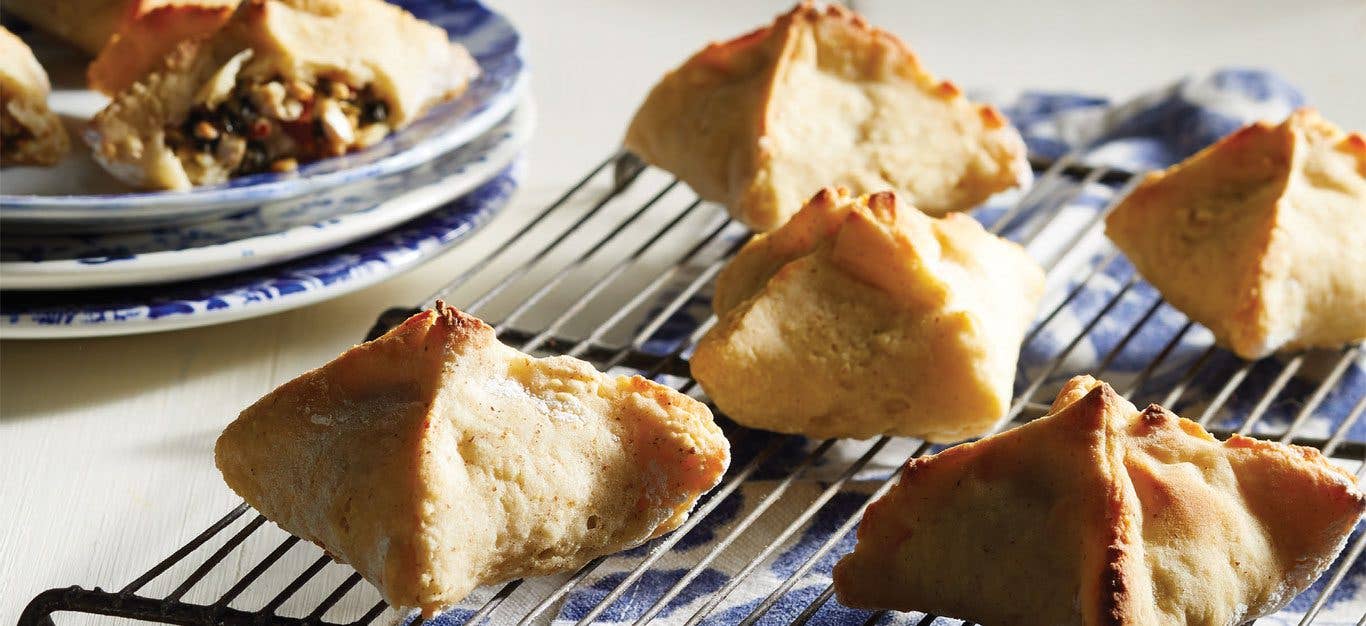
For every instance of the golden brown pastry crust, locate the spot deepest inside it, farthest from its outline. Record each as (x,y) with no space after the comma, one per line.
(86,24)
(1102,514)
(822,96)
(1258,237)
(30,132)
(435,459)
(862,316)
(127,38)
(150,30)
(368,47)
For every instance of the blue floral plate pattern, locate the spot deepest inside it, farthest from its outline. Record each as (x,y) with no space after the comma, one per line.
(258,292)
(262,235)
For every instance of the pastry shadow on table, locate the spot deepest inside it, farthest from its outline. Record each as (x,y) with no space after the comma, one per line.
(50,377)
(41,378)
(197,444)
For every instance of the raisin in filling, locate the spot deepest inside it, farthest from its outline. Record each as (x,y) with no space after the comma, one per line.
(276,125)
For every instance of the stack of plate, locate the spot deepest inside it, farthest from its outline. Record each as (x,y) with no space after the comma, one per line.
(79,259)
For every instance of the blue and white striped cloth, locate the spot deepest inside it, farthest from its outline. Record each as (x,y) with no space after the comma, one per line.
(1152,131)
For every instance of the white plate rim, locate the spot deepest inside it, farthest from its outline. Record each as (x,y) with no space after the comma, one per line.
(21,327)
(255,252)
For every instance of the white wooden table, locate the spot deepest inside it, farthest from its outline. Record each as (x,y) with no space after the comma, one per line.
(106,444)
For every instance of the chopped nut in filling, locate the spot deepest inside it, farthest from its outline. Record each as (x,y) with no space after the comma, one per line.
(276,125)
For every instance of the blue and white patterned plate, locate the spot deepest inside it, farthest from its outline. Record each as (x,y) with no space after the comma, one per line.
(44,196)
(262,235)
(258,292)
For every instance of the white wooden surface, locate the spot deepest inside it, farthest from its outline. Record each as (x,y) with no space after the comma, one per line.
(106,445)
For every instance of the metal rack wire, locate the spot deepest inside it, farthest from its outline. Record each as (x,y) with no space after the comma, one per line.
(625,233)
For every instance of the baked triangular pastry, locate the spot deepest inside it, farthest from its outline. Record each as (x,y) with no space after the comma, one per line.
(1101,514)
(435,459)
(283,83)
(30,133)
(820,96)
(1258,237)
(862,316)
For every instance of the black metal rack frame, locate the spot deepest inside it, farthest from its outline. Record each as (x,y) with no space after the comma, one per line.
(577,271)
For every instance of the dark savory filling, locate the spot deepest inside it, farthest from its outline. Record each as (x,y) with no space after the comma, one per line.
(278,124)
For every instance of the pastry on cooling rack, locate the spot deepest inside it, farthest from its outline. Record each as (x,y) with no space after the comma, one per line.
(862,316)
(284,82)
(820,96)
(30,133)
(1259,236)
(436,459)
(1102,514)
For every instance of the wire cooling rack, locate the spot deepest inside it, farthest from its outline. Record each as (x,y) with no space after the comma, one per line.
(622,283)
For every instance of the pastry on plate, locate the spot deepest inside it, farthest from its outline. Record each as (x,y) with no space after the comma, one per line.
(822,97)
(128,38)
(30,133)
(1259,236)
(863,316)
(435,459)
(1102,514)
(150,30)
(283,83)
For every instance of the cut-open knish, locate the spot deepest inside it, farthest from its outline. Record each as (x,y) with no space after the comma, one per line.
(283,83)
